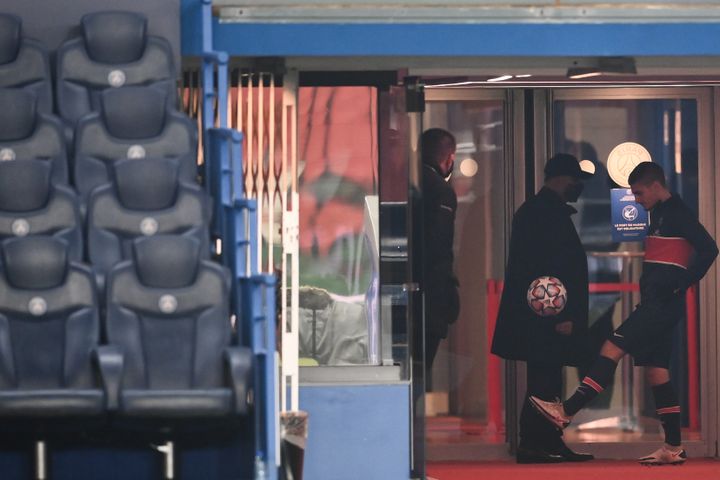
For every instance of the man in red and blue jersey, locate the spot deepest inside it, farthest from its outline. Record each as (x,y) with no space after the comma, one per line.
(678,253)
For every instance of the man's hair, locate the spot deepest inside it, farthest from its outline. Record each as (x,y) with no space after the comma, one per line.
(436,145)
(647,173)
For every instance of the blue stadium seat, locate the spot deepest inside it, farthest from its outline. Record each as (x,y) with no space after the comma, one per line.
(172,366)
(24,63)
(27,134)
(134,122)
(49,333)
(146,198)
(49,328)
(113,51)
(168,320)
(31,205)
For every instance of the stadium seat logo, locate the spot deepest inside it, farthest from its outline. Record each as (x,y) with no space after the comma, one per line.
(167,304)
(7,154)
(37,306)
(148,226)
(20,227)
(116,78)
(136,152)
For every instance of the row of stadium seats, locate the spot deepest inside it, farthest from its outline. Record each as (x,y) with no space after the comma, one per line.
(113,50)
(132,123)
(168,333)
(162,358)
(145,197)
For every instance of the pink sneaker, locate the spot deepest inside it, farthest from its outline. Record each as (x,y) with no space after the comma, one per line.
(553,411)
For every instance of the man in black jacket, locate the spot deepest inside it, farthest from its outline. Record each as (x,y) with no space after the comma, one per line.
(544,242)
(678,253)
(442,303)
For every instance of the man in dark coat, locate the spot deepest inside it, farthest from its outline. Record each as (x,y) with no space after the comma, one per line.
(442,303)
(544,242)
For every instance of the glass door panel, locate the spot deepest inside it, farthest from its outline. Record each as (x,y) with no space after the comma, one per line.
(465,394)
(590,125)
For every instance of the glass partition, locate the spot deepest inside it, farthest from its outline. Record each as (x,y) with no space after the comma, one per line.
(338,187)
(354,154)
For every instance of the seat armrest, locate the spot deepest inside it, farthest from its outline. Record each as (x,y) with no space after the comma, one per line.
(239,364)
(111,361)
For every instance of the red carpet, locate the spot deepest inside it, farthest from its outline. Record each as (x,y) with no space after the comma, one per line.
(695,469)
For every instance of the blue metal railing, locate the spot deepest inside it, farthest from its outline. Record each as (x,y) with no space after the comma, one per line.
(235,222)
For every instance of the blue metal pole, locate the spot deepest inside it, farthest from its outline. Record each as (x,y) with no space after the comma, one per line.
(236,224)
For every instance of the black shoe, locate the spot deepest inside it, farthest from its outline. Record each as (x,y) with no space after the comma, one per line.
(534,455)
(570,456)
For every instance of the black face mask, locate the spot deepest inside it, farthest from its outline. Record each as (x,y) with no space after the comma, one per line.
(573,192)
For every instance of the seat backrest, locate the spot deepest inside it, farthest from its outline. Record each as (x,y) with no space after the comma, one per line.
(134,122)
(48,316)
(27,134)
(31,205)
(169,313)
(24,63)
(146,198)
(113,51)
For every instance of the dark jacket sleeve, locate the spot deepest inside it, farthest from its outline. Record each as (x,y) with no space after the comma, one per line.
(440,230)
(530,238)
(706,250)
(441,294)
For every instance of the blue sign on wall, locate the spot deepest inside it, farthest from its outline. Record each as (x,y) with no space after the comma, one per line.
(629,219)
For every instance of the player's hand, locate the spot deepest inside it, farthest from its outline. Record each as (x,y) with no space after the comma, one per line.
(564,328)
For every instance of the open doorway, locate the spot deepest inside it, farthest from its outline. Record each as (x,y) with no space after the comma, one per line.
(473,399)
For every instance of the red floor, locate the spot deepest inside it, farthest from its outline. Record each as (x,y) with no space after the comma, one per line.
(453,429)
(695,469)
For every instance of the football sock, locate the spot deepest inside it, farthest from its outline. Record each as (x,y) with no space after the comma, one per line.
(668,409)
(597,378)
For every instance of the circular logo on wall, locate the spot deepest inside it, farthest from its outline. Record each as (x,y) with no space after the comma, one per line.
(116,78)
(623,159)
(629,213)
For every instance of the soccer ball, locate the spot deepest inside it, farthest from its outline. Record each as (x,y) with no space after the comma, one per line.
(546,296)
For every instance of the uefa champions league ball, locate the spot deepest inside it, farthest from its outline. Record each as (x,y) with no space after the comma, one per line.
(546,296)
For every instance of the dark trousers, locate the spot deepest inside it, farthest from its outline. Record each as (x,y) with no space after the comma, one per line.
(545,382)
(432,343)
